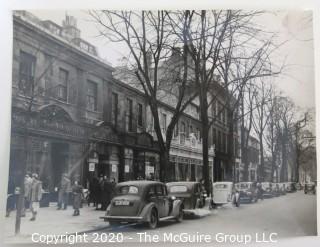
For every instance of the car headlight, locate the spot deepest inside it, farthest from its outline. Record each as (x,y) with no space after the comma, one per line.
(248,193)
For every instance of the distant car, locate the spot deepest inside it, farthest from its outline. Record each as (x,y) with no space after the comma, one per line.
(143,202)
(298,186)
(310,188)
(267,190)
(282,188)
(190,193)
(275,189)
(290,187)
(248,191)
(224,193)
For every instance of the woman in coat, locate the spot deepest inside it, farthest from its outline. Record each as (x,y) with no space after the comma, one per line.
(77,191)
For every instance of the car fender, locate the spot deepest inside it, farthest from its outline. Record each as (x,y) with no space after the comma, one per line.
(176,207)
(145,213)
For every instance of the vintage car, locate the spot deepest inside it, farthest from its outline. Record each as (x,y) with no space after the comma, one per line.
(310,188)
(275,189)
(190,193)
(223,193)
(298,186)
(282,188)
(266,190)
(143,202)
(248,191)
(290,187)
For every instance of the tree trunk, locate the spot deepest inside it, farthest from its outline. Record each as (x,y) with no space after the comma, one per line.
(261,175)
(164,164)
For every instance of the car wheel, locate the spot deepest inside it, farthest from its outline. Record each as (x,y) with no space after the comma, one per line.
(153,222)
(180,215)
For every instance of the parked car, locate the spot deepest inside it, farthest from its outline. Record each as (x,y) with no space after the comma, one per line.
(282,188)
(224,193)
(310,188)
(248,191)
(298,186)
(275,189)
(190,193)
(290,187)
(267,190)
(143,201)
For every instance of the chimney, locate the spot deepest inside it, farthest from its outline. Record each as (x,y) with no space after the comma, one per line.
(69,28)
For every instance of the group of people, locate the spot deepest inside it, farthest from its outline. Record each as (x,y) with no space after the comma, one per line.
(65,190)
(32,195)
(101,191)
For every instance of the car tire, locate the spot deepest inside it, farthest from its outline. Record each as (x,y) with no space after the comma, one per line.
(179,218)
(153,222)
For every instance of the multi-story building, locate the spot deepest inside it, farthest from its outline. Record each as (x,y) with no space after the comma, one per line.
(71,114)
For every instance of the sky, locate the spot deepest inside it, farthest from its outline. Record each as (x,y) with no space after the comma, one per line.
(294,28)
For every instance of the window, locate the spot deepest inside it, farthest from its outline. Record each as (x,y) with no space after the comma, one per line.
(91,95)
(26,72)
(219,140)
(214,136)
(140,115)
(164,122)
(129,115)
(114,105)
(159,190)
(63,84)
(182,133)
(191,129)
(198,134)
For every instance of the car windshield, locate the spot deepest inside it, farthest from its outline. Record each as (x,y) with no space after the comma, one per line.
(128,189)
(221,186)
(178,188)
(244,186)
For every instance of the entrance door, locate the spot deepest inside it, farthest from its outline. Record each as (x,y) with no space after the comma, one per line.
(59,161)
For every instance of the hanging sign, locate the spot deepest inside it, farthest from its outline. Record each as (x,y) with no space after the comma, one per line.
(114,168)
(126,169)
(91,167)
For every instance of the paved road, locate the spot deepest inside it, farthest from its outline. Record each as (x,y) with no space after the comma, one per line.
(289,216)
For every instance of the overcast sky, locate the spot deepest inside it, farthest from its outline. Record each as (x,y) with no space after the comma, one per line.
(295,27)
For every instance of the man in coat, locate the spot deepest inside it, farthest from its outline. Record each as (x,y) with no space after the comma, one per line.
(65,189)
(27,188)
(35,196)
(77,191)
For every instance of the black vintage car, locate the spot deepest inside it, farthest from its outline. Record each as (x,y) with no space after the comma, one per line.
(310,188)
(290,187)
(143,201)
(248,191)
(190,193)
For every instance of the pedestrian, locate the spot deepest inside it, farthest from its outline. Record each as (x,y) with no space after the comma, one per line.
(260,191)
(106,193)
(113,188)
(63,194)
(77,191)
(35,196)
(11,198)
(27,189)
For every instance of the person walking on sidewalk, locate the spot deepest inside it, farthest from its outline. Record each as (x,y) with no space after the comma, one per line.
(27,188)
(35,196)
(63,195)
(11,197)
(77,191)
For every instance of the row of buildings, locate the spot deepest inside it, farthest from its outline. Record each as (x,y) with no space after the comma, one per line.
(73,112)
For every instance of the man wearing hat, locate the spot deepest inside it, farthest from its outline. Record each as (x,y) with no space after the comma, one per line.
(35,195)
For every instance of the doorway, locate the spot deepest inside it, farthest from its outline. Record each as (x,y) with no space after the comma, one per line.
(59,161)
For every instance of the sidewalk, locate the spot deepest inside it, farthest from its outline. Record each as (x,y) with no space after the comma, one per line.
(53,221)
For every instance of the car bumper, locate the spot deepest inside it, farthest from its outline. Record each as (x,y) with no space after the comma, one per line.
(123,218)
(267,195)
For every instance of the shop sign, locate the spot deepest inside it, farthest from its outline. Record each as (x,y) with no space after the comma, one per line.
(114,168)
(93,160)
(150,169)
(126,169)
(91,167)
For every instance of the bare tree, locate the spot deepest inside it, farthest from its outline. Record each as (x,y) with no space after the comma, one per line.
(149,41)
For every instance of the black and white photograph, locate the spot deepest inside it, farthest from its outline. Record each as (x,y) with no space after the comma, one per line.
(162,126)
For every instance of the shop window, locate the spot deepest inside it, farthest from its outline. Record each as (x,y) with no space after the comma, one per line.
(92,95)
(27,73)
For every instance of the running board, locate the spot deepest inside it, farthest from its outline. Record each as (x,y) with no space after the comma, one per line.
(167,218)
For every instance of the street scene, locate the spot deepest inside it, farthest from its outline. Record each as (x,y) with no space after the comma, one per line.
(126,123)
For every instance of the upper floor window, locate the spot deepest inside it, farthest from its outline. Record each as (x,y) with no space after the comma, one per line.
(114,105)
(164,122)
(27,73)
(182,133)
(198,134)
(140,115)
(63,84)
(92,93)
(129,115)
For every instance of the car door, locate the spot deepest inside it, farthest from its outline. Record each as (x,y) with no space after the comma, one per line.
(160,200)
(166,201)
